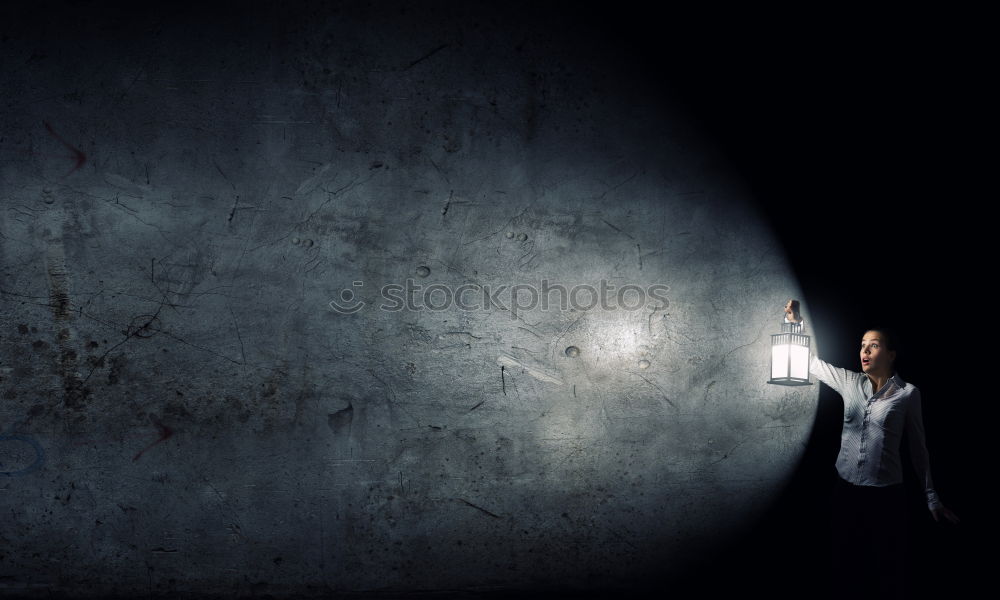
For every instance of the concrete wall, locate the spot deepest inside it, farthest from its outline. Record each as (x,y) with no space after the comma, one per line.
(185,191)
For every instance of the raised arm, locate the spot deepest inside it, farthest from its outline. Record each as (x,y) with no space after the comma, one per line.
(835,377)
(921,460)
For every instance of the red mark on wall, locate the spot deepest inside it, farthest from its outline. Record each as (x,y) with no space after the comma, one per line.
(165,432)
(78,155)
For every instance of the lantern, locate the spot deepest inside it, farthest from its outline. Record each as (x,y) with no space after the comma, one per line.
(790,356)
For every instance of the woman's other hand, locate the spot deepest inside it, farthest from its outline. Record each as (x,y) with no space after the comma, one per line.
(943,513)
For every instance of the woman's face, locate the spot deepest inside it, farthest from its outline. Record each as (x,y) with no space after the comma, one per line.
(874,357)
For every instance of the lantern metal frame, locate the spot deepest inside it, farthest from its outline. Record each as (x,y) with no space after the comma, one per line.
(791,334)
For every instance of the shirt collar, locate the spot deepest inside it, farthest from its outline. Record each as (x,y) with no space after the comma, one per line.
(895,379)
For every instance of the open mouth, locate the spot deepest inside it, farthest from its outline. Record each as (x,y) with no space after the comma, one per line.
(865,362)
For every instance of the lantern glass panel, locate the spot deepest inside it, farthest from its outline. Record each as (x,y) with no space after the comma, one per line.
(779,361)
(800,361)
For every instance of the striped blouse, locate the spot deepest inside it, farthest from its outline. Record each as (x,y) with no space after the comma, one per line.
(874,426)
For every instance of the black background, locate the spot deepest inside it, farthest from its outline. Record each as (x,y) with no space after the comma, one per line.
(860,133)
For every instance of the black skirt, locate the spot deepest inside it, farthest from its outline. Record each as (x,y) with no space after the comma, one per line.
(868,540)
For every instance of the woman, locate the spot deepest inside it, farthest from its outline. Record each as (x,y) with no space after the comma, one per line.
(869,520)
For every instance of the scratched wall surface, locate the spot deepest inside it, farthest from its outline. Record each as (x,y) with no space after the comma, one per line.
(184,193)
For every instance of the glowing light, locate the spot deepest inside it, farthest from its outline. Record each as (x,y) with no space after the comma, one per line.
(790,356)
